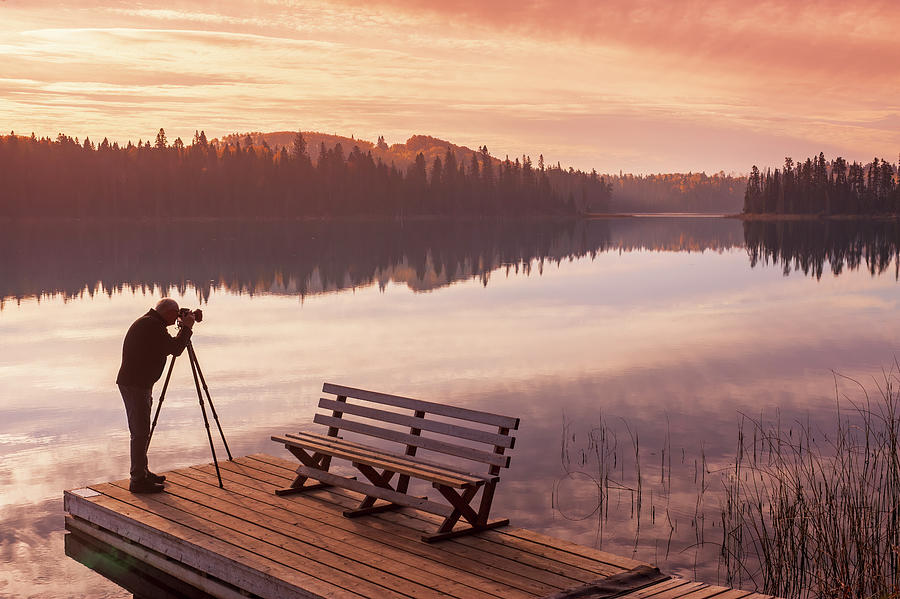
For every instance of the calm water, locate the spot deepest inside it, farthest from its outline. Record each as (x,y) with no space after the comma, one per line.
(661,331)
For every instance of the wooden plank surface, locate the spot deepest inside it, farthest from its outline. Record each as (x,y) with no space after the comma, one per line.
(413,440)
(377,459)
(199,550)
(296,546)
(691,589)
(656,589)
(187,481)
(369,489)
(248,481)
(295,539)
(301,546)
(268,546)
(680,588)
(435,426)
(411,526)
(312,542)
(524,561)
(418,460)
(529,541)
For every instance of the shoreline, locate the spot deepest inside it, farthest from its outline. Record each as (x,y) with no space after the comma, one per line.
(814,217)
(28,220)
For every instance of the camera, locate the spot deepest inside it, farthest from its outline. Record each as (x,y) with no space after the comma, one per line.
(197,314)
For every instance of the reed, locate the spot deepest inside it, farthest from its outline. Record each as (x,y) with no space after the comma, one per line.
(816,513)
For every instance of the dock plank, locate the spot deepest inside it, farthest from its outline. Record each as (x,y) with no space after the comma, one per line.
(739,594)
(567,548)
(322,535)
(378,531)
(199,550)
(493,554)
(691,589)
(656,589)
(568,552)
(411,527)
(243,539)
(349,531)
(274,545)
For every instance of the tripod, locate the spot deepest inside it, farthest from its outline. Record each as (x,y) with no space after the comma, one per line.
(195,370)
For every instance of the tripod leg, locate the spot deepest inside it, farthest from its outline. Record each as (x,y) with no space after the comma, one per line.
(162,396)
(212,447)
(193,356)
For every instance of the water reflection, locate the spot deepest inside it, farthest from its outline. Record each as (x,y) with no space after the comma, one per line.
(127,572)
(303,259)
(677,343)
(813,246)
(310,258)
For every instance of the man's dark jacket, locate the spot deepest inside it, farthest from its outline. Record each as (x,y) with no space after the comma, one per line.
(144,352)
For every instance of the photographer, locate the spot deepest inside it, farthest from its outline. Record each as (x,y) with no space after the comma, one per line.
(144,352)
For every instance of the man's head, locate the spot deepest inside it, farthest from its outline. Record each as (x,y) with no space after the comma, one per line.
(168,309)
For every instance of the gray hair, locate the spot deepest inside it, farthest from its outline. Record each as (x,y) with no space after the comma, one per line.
(166,304)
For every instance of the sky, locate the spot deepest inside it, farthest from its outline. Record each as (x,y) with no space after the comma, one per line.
(618,85)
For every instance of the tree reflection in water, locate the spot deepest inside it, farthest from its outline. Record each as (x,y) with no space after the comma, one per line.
(304,258)
(807,246)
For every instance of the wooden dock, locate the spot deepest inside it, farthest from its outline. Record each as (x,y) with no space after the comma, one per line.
(244,541)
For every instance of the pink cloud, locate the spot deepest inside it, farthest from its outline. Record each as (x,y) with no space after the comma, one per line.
(821,37)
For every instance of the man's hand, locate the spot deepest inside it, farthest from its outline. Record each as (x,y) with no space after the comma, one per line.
(187,321)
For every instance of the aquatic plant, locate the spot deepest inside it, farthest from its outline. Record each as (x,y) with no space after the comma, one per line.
(816,513)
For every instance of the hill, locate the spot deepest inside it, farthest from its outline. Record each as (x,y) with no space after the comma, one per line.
(401,155)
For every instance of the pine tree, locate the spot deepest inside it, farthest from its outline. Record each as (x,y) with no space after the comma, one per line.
(298,147)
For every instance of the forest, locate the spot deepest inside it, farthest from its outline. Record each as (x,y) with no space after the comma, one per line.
(718,193)
(237,178)
(820,187)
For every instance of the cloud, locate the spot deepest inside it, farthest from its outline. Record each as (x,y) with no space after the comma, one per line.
(606,84)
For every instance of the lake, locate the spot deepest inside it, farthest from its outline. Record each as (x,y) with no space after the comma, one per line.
(657,334)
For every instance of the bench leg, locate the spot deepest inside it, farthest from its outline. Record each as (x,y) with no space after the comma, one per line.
(367,505)
(301,488)
(375,509)
(298,485)
(440,536)
(462,508)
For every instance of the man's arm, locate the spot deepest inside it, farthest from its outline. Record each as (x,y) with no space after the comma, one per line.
(176,344)
(166,344)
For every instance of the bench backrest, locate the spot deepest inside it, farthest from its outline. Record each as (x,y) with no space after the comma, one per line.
(367,418)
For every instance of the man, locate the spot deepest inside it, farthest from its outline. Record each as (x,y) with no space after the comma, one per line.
(144,352)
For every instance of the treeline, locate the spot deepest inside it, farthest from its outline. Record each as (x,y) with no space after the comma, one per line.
(678,192)
(821,187)
(68,178)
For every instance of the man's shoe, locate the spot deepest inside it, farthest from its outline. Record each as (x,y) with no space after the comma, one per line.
(156,478)
(145,485)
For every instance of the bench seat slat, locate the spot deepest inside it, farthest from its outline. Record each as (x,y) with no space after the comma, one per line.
(414,440)
(355,455)
(423,406)
(418,461)
(393,462)
(369,489)
(435,426)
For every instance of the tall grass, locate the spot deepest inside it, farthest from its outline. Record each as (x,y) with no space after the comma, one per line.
(816,513)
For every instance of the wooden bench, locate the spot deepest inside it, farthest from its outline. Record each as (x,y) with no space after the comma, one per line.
(457,484)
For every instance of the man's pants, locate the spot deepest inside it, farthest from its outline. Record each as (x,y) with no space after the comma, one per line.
(137,408)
